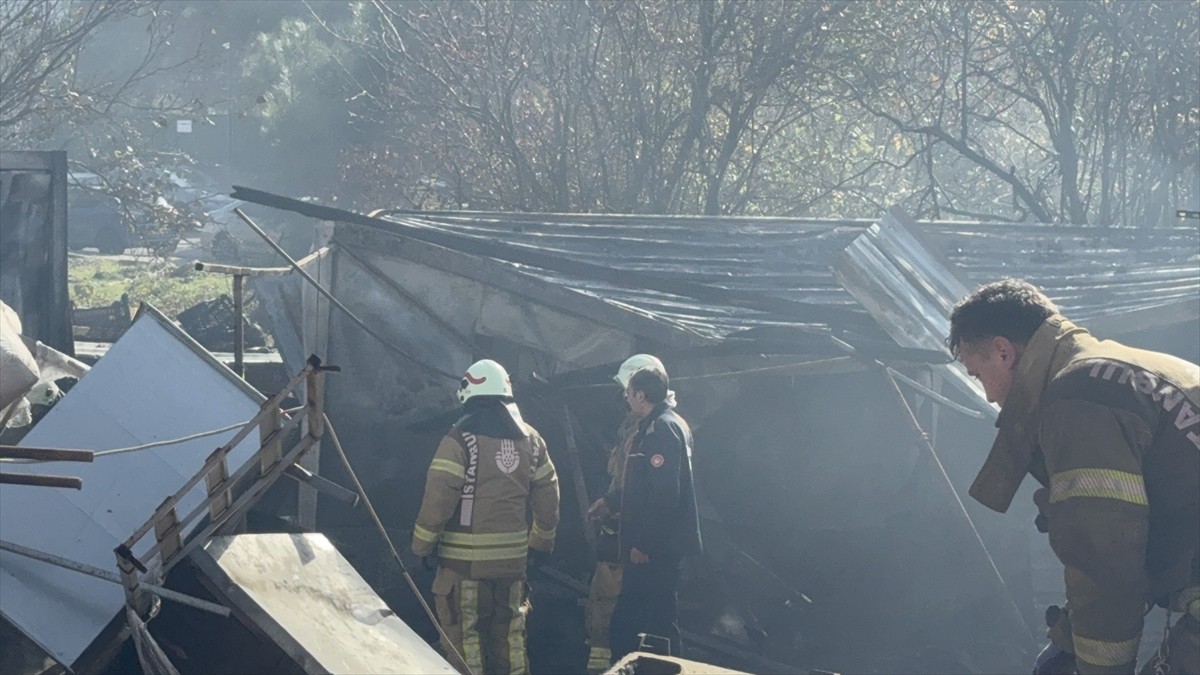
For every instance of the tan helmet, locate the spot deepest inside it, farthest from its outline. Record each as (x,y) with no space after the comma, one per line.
(635,363)
(484,378)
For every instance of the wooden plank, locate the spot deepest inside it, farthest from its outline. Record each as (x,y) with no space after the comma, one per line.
(581,491)
(239,325)
(217,268)
(166,530)
(246,500)
(217,483)
(250,465)
(268,407)
(270,442)
(307,495)
(41,480)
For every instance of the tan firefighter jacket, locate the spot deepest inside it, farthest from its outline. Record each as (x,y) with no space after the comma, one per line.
(1113,434)
(616,458)
(477,492)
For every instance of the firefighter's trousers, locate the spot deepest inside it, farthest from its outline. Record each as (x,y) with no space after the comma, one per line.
(648,603)
(602,598)
(484,620)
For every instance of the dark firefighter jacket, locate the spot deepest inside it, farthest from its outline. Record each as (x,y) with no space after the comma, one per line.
(477,492)
(1113,435)
(657,502)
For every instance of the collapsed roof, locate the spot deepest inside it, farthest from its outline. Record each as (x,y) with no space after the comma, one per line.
(718,276)
(815,476)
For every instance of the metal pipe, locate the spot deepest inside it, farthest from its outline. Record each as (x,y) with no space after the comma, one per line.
(113,577)
(321,484)
(217,268)
(239,327)
(338,303)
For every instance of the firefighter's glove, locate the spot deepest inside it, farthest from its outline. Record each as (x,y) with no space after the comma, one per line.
(1041,497)
(1054,661)
(598,510)
(538,558)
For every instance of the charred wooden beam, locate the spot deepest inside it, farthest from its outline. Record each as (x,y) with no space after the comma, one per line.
(46,454)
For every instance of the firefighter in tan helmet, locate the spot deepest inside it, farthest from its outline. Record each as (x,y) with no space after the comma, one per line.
(606,580)
(488,470)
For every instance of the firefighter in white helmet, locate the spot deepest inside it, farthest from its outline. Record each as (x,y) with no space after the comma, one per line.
(606,580)
(487,471)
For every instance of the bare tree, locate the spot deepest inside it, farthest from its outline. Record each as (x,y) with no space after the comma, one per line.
(104,118)
(619,106)
(42,39)
(1052,101)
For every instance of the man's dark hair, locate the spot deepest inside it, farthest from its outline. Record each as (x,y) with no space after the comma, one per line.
(1011,308)
(651,383)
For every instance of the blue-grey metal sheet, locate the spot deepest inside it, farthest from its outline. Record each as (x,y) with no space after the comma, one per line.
(909,289)
(154,384)
(1088,270)
(299,591)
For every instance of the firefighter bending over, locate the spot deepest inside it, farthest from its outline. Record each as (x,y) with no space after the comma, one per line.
(1112,434)
(488,470)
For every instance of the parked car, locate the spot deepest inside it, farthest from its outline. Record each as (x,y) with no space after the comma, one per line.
(96,220)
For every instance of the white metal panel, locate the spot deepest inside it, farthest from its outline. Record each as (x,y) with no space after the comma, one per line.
(154,384)
(300,592)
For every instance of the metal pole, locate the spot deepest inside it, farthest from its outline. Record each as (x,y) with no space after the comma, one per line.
(338,303)
(113,577)
(239,328)
(581,493)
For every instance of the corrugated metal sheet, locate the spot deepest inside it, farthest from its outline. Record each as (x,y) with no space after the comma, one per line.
(720,275)
(910,289)
(1090,271)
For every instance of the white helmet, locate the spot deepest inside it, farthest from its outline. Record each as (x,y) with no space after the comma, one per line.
(635,363)
(484,378)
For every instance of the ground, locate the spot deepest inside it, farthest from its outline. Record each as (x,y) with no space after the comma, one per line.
(171,285)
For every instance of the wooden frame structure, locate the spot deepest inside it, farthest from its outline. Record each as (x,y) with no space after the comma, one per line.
(227,497)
